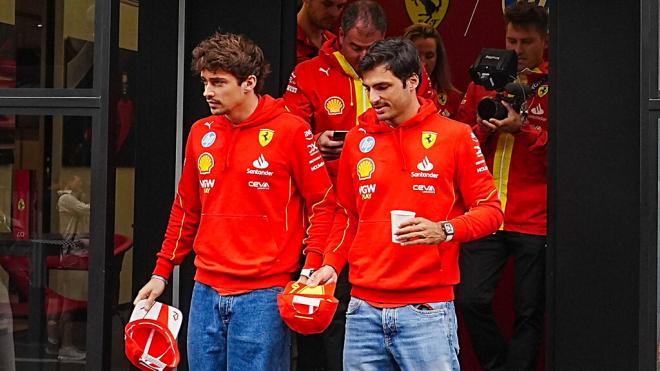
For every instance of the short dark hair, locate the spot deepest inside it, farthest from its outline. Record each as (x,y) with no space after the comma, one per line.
(232,53)
(524,14)
(399,56)
(367,11)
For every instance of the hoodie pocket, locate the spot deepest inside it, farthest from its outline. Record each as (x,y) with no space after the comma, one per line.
(240,244)
(366,252)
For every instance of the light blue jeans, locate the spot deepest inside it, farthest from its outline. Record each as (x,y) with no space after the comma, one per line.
(405,338)
(239,332)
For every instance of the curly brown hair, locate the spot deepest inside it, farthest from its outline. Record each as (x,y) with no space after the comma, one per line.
(232,53)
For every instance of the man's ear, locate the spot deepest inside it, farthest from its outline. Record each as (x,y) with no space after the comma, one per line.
(250,84)
(412,82)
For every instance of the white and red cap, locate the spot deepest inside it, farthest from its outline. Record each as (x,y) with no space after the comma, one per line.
(307,309)
(150,337)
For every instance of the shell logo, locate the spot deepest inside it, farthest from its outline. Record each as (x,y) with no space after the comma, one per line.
(205,163)
(334,105)
(365,168)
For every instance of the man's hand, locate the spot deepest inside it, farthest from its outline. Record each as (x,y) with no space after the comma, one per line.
(151,291)
(510,124)
(325,274)
(420,231)
(486,125)
(330,149)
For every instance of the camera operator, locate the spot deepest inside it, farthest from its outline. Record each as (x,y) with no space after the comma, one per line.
(515,149)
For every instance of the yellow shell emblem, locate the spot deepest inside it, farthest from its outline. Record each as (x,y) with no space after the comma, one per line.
(334,105)
(431,12)
(205,163)
(265,136)
(543,90)
(442,98)
(365,168)
(428,138)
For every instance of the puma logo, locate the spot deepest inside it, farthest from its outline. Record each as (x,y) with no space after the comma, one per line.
(326,71)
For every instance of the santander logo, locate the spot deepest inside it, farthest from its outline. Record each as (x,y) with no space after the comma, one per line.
(260,163)
(425,165)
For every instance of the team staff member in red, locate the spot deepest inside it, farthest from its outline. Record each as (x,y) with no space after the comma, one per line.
(253,184)
(433,55)
(516,152)
(315,19)
(405,156)
(327,92)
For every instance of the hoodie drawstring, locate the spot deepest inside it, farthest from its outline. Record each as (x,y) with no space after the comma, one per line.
(230,147)
(398,133)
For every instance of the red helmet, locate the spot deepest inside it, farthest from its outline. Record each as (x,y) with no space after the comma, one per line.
(307,309)
(151,337)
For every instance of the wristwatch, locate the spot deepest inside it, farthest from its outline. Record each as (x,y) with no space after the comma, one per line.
(307,272)
(448,228)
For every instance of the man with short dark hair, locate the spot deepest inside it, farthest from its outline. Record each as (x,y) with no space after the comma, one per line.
(253,191)
(404,156)
(516,151)
(315,20)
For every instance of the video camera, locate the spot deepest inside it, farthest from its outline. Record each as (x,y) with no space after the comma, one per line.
(496,69)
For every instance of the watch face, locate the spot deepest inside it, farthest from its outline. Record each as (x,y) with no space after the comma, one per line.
(449,228)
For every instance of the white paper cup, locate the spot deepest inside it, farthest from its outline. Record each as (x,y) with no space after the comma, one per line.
(398,217)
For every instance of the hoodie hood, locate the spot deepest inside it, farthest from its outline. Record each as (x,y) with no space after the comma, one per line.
(267,109)
(369,120)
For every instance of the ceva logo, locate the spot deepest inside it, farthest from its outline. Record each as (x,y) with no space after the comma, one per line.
(259,185)
(423,188)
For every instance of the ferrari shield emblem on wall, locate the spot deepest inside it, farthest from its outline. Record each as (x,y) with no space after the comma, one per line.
(427,11)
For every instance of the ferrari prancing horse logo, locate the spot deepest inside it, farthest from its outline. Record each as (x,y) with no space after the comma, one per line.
(265,136)
(431,12)
(428,139)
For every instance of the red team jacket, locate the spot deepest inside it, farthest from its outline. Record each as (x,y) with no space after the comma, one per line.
(425,165)
(518,161)
(448,103)
(327,92)
(247,195)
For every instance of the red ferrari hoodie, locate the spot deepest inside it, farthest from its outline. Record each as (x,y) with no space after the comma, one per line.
(327,92)
(425,165)
(247,196)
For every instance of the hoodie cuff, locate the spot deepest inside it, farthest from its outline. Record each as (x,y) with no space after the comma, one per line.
(313,260)
(163,268)
(460,230)
(336,261)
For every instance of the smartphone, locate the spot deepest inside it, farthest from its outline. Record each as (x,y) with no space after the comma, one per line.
(339,135)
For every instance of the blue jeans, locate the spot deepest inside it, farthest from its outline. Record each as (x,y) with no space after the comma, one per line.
(239,332)
(405,338)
